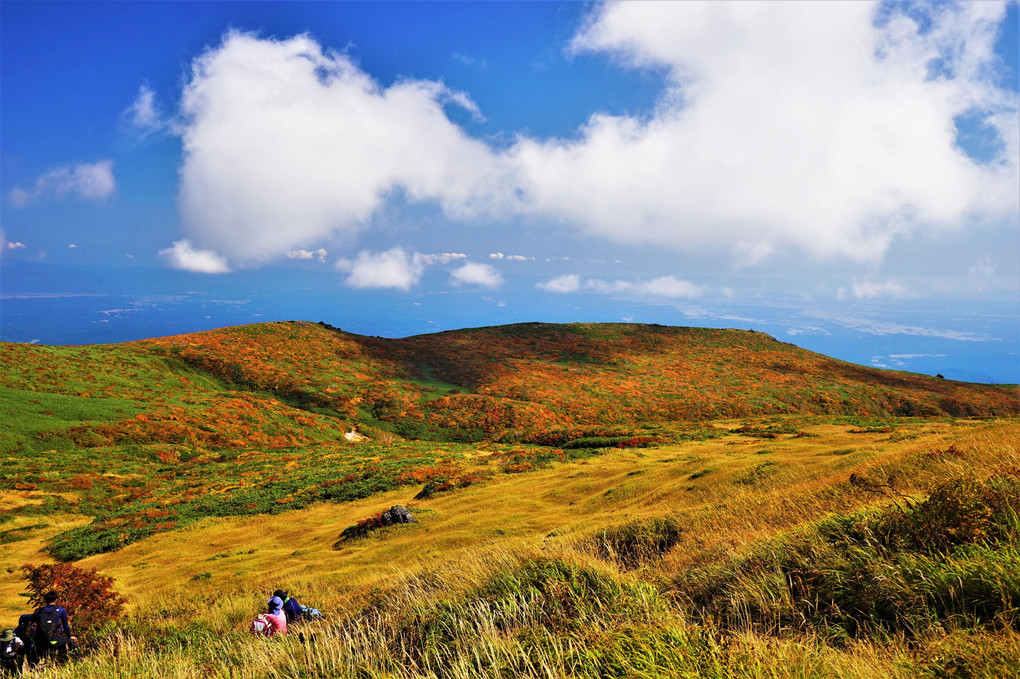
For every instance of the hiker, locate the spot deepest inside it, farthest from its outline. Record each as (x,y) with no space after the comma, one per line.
(291,607)
(271,623)
(53,639)
(275,606)
(10,652)
(26,632)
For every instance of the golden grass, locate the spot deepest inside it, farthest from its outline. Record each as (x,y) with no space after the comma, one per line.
(39,529)
(521,511)
(464,538)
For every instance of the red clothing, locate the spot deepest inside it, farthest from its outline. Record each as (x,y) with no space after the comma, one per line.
(268,625)
(279,623)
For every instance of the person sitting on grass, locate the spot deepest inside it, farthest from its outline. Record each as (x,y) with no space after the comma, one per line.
(272,622)
(291,607)
(275,606)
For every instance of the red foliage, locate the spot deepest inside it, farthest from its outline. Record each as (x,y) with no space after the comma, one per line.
(87,595)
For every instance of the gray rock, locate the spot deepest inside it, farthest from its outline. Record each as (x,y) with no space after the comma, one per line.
(397,514)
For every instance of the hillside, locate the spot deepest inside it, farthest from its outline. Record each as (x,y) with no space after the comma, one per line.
(168,415)
(593,500)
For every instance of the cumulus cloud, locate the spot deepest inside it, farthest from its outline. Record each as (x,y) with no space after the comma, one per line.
(83,181)
(16,245)
(668,287)
(564,284)
(471,273)
(286,144)
(143,112)
(821,126)
(394,268)
(824,128)
(319,254)
(183,255)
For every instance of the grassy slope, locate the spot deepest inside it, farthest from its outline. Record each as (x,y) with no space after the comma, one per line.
(151,437)
(536,377)
(477,535)
(250,420)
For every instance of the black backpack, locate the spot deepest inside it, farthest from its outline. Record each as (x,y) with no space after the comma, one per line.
(48,623)
(8,651)
(26,628)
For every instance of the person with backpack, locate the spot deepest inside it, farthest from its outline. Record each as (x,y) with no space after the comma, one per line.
(26,632)
(53,637)
(272,622)
(10,653)
(291,607)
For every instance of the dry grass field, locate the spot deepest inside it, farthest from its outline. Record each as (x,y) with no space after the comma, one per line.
(196,588)
(591,501)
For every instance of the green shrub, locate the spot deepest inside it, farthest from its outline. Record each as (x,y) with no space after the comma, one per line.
(637,542)
(907,569)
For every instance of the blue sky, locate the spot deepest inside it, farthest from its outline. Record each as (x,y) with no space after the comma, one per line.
(843,176)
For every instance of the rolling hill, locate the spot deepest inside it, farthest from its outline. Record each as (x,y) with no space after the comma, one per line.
(672,498)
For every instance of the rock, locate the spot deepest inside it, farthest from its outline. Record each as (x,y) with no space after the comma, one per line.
(396,514)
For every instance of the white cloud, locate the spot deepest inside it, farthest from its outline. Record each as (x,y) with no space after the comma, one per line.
(394,268)
(443,258)
(795,330)
(665,286)
(873,327)
(818,128)
(286,144)
(8,245)
(565,284)
(873,289)
(812,125)
(144,113)
(72,245)
(899,360)
(471,273)
(83,181)
(319,254)
(183,255)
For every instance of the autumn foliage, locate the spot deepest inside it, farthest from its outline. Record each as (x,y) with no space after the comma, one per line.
(253,419)
(88,596)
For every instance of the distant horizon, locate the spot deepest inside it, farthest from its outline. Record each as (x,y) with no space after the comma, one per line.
(109,318)
(841,176)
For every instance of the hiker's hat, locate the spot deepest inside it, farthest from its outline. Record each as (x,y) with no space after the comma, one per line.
(275,604)
(7,635)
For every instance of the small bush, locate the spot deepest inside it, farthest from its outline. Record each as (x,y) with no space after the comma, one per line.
(89,597)
(637,542)
(611,442)
(908,569)
(957,512)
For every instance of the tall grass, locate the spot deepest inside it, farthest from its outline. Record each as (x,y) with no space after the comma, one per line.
(800,575)
(949,561)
